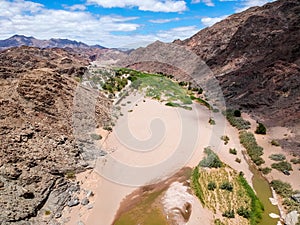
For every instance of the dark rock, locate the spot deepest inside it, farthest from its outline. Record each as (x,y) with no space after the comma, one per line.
(85,201)
(73,202)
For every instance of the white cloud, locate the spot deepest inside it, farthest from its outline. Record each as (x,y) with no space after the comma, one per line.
(206,2)
(76,7)
(177,33)
(144,5)
(164,20)
(250,3)
(209,21)
(32,19)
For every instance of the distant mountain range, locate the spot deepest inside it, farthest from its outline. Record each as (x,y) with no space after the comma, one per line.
(19,40)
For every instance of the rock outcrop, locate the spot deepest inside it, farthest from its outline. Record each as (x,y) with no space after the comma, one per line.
(38,150)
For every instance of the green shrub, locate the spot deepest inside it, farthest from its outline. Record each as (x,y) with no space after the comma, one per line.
(235,121)
(211,186)
(47,212)
(261,129)
(255,151)
(295,161)
(218,222)
(228,214)
(196,186)
(211,160)
(282,188)
(266,170)
(257,207)
(237,113)
(277,157)
(226,185)
(281,166)
(225,138)
(212,121)
(232,151)
(275,143)
(70,174)
(244,212)
(96,136)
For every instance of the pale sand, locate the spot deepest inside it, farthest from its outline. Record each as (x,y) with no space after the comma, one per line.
(265,142)
(108,195)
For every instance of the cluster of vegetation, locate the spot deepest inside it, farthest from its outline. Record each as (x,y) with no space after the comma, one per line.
(244,212)
(228,213)
(226,185)
(257,207)
(174,104)
(282,166)
(225,138)
(114,84)
(295,161)
(211,185)
(211,121)
(277,157)
(211,160)
(285,190)
(275,143)
(202,102)
(261,129)
(96,136)
(196,185)
(235,119)
(158,86)
(266,170)
(232,151)
(218,222)
(255,151)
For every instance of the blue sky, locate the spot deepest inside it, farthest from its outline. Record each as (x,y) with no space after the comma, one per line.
(115,23)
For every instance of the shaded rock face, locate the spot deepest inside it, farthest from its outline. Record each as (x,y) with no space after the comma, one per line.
(256,57)
(37,141)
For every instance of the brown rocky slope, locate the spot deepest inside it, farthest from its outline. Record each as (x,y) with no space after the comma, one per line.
(38,147)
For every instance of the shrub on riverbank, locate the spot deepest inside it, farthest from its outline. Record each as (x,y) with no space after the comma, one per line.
(282,166)
(235,119)
(277,157)
(261,129)
(211,160)
(255,151)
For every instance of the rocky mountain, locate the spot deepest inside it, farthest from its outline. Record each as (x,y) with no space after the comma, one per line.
(255,56)
(39,153)
(19,40)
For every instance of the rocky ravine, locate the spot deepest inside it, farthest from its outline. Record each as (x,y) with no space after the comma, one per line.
(38,147)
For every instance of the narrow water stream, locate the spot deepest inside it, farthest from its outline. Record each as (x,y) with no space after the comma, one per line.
(263,192)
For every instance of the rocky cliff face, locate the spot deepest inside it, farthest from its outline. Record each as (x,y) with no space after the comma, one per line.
(38,147)
(256,57)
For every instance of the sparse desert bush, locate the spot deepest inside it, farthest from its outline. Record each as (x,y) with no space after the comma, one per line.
(226,185)
(232,151)
(255,151)
(70,175)
(211,186)
(211,160)
(238,160)
(266,170)
(282,166)
(275,143)
(261,129)
(295,161)
(218,222)
(225,138)
(96,136)
(235,121)
(212,121)
(244,212)
(47,212)
(237,113)
(277,157)
(228,214)
(282,188)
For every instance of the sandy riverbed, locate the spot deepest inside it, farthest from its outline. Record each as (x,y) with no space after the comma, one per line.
(162,140)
